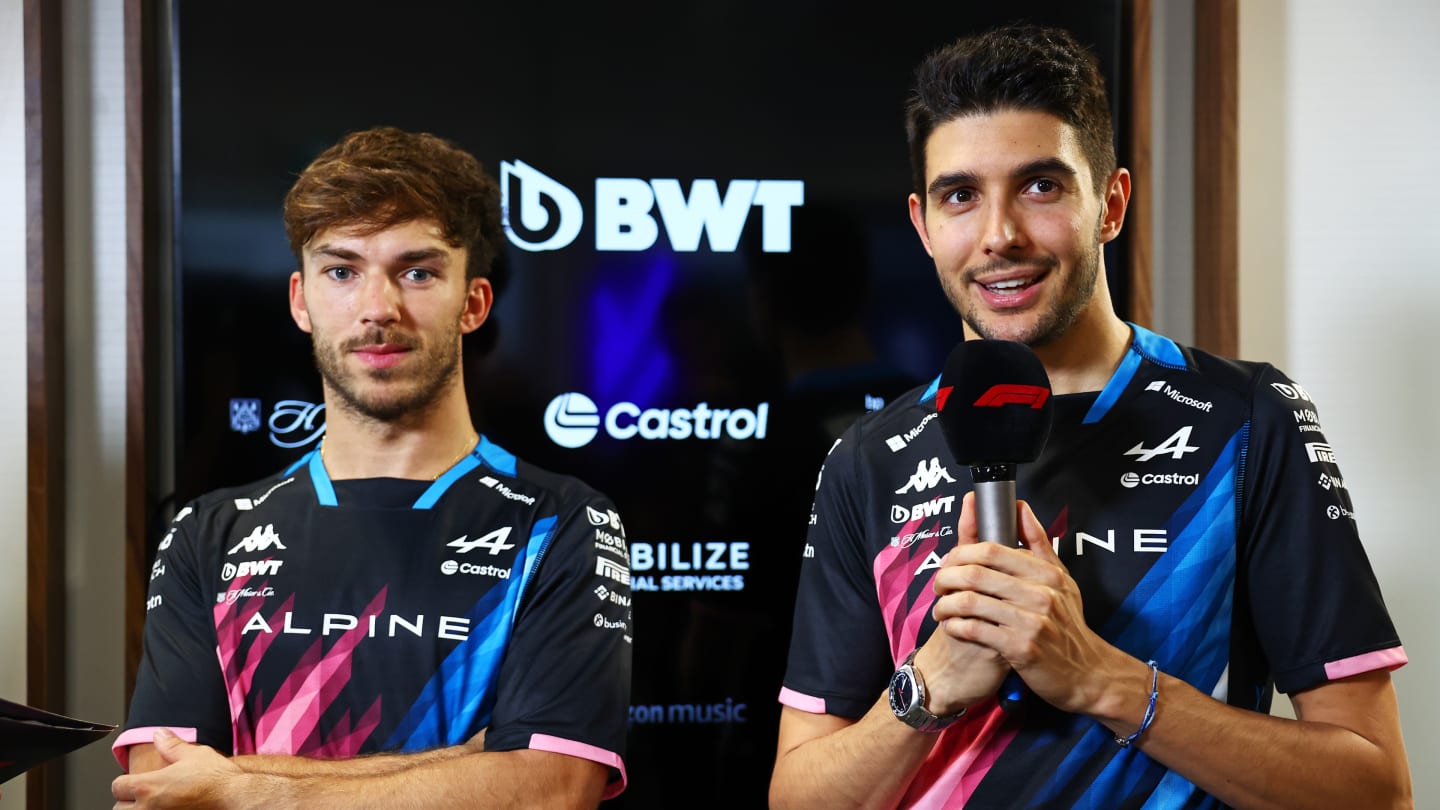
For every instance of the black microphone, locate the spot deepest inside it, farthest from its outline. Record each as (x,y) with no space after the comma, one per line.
(995,412)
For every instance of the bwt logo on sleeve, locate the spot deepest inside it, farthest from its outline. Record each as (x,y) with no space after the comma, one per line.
(573,420)
(542,214)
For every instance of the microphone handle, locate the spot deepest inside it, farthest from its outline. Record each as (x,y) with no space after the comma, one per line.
(995,522)
(995,511)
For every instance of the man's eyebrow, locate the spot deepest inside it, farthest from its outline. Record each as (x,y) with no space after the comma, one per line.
(424,254)
(416,255)
(951,180)
(328,249)
(1049,165)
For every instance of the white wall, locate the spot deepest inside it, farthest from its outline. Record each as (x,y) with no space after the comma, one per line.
(12,368)
(95,384)
(1172,180)
(1340,285)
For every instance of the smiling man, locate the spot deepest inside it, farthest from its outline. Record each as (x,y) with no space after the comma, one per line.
(1198,548)
(410,591)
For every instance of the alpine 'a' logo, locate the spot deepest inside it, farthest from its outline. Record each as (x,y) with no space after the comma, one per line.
(494,542)
(1176,446)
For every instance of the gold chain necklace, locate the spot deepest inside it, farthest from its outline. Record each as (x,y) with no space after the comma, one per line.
(466,448)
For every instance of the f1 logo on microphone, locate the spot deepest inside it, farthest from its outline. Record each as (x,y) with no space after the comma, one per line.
(1013,394)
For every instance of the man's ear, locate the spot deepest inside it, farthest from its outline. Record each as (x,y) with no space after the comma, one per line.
(917,218)
(1116,202)
(298,310)
(479,298)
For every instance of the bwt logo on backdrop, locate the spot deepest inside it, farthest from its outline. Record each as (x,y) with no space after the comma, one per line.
(573,420)
(542,214)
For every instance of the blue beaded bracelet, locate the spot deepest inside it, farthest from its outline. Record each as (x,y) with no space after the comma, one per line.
(1124,742)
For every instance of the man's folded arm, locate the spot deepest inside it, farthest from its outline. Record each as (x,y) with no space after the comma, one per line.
(458,776)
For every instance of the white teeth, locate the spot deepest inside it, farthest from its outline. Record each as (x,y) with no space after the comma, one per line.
(1006,286)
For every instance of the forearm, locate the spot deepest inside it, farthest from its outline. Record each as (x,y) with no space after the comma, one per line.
(453,778)
(373,765)
(1252,760)
(867,764)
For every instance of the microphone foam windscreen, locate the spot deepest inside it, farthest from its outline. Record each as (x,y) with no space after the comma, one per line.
(994,403)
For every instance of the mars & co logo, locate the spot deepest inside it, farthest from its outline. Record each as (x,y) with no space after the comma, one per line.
(542,214)
(573,420)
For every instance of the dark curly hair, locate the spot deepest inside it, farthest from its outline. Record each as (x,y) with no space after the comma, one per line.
(381,177)
(1017,67)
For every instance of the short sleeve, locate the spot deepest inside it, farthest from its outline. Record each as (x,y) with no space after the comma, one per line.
(564,685)
(179,684)
(1319,615)
(839,653)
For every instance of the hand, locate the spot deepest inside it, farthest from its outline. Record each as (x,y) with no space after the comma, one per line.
(1022,604)
(957,672)
(194,776)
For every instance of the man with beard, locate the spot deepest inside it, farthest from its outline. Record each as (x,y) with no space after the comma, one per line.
(1198,548)
(410,590)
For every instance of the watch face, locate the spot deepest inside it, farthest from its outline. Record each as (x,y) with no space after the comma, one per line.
(902,692)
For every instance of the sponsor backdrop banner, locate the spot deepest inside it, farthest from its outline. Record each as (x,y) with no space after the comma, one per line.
(710,273)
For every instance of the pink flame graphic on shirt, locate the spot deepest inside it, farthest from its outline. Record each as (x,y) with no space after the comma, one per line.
(289,721)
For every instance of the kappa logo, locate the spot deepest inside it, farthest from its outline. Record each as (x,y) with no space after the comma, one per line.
(926,478)
(494,542)
(1176,446)
(261,539)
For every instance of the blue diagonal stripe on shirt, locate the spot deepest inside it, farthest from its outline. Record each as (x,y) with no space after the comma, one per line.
(458,699)
(1177,614)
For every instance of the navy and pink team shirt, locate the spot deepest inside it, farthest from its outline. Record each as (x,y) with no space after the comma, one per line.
(330,619)
(1197,504)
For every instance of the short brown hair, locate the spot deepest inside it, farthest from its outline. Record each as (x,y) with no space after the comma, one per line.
(385,176)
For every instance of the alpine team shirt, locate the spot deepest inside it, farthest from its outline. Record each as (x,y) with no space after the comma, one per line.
(330,619)
(1196,503)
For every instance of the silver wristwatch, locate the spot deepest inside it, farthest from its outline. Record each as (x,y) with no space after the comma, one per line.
(908,697)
